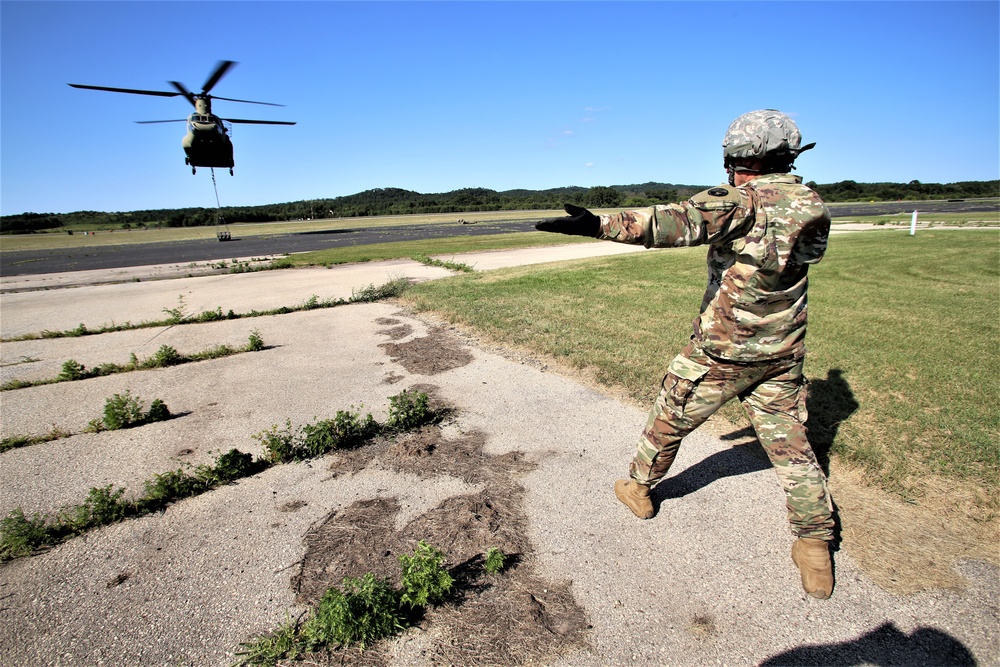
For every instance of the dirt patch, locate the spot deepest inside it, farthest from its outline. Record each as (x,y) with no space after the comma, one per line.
(434,353)
(911,547)
(512,618)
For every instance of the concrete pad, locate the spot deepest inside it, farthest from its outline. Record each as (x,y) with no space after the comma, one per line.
(708,581)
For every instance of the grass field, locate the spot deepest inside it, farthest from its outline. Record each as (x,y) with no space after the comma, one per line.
(902,342)
(440,247)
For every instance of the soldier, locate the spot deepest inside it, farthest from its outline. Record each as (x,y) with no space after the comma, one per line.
(763,231)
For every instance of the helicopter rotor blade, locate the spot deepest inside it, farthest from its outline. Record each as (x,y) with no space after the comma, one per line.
(220,71)
(229,99)
(183,91)
(149,122)
(159,93)
(258,122)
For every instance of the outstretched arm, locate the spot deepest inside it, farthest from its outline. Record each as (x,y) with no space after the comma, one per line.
(708,217)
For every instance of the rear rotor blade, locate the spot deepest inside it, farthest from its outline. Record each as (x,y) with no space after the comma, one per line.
(183,91)
(258,122)
(220,71)
(159,93)
(229,99)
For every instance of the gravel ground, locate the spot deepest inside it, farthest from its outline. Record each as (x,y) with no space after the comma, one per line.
(708,581)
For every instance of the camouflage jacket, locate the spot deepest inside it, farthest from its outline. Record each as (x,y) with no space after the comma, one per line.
(762,237)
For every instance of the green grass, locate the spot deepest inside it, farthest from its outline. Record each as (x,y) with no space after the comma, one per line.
(421,249)
(902,340)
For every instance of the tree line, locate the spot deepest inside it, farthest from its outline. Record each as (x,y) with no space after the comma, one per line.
(397,201)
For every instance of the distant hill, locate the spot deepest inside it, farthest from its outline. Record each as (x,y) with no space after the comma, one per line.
(397,201)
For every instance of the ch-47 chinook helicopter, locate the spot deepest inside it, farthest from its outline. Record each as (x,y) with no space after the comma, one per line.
(207,143)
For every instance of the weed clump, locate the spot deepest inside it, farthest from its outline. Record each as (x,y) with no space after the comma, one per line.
(495,561)
(364,612)
(125,411)
(165,356)
(15,441)
(21,535)
(72,370)
(407,410)
(425,581)
(347,430)
(361,612)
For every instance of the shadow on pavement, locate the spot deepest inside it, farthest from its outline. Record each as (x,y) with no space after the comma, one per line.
(728,462)
(885,645)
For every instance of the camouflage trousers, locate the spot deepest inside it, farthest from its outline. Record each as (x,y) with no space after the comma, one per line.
(774,395)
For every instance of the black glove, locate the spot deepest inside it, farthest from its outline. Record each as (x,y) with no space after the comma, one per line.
(580,222)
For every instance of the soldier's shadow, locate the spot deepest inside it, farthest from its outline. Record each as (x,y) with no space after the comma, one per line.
(885,645)
(829,402)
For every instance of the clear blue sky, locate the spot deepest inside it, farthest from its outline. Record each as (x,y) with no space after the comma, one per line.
(435,96)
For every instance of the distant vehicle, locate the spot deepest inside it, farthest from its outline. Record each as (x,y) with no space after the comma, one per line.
(207,143)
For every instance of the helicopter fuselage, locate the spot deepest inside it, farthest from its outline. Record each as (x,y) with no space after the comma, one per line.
(207,142)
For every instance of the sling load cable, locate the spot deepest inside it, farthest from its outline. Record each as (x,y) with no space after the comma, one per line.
(222,235)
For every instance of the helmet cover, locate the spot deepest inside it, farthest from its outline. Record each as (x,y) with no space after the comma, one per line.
(762,133)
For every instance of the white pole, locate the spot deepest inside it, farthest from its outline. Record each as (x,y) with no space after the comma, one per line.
(913,224)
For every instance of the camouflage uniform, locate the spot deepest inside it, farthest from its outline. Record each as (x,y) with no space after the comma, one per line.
(748,340)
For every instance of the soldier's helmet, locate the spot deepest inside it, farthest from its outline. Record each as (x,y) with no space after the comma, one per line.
(764,133)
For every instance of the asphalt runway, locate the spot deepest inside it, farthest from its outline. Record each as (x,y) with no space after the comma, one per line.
(34,262)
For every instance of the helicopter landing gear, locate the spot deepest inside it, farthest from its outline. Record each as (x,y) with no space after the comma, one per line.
(231,171)
(193,170)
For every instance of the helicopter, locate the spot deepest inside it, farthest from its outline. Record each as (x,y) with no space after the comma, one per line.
(207,142)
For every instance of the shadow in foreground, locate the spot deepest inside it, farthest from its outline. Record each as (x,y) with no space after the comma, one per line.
(884,646)
(829,403)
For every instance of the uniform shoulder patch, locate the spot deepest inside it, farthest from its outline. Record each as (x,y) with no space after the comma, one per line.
(717,199)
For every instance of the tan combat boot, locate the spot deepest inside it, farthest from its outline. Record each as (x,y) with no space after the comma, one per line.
(812,557)
(636,496)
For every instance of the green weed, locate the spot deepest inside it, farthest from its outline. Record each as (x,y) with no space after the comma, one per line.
(122,411)
(364,612)
(21,535)
(72,370)
(178,316)
(15,441)
(165,356)
(425,581)
(495,560)
(407,410)
(255,343)
(454,266)
(283,643)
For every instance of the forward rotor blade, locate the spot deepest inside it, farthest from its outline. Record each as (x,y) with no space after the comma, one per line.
(220,71)
(158,93)
(183,91)
(258,122)
(149,122)
(229,99)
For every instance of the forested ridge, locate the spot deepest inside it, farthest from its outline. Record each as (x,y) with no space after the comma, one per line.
(396,201)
